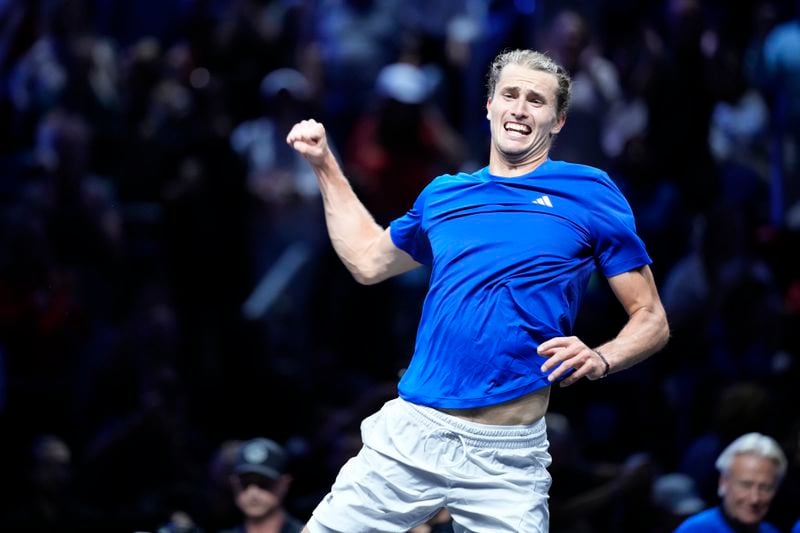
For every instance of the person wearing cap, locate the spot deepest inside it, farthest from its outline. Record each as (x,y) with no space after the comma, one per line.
(260,483)
(751,469)
(511,247)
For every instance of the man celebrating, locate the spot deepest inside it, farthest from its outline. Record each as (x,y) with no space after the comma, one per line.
(512,247)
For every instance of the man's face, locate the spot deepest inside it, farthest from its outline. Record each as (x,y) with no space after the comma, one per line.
(258,496)
(748,487)
(522,114)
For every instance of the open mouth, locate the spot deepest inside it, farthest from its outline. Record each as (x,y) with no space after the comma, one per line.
(517,128)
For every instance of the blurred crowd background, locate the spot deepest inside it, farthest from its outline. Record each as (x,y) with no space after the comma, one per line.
(167,288)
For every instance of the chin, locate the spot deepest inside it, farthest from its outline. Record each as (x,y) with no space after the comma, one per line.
(751,519)
(256,514)
(515,149)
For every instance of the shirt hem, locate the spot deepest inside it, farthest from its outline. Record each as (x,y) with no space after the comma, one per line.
(470,403)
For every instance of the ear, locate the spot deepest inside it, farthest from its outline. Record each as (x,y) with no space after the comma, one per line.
(722,486)
(560,121)
(488,108)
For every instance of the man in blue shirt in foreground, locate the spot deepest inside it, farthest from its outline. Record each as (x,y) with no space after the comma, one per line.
(511,249)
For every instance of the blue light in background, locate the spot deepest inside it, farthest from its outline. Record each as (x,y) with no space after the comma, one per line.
(526,7)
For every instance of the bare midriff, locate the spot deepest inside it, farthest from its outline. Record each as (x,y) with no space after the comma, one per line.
(520,411)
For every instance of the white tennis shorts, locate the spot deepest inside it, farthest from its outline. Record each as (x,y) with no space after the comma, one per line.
(416,460)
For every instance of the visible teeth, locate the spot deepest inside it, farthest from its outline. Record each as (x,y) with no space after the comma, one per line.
(517,128)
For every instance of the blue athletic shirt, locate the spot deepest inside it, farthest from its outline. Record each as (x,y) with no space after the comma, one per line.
(510,260)
(713,521)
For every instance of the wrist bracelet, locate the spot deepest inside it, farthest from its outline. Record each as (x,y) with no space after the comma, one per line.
(605,362)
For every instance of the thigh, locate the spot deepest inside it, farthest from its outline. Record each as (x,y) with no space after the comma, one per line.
(381,490)
(508,493)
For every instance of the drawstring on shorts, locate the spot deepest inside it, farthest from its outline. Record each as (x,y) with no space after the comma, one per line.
(465,455)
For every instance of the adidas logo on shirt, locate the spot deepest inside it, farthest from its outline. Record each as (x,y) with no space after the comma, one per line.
(543,200)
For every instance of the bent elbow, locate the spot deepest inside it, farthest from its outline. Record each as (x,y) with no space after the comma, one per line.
(663,331)
(365,276)
(365,279)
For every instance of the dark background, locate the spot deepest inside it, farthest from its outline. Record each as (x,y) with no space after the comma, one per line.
(167,288)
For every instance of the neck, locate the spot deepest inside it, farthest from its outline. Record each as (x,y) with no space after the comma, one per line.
(271,523)
(504,167)
(739,527)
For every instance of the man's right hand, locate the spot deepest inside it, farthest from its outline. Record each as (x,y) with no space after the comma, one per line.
(309,139)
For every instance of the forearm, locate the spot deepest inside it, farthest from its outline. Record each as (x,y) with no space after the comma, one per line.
(645,333)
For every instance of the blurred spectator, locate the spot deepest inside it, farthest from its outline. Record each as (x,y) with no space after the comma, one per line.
(48,501)
(779,78)
(38,79)
(63,269)
(736,409)
(285,229)
(275,174)
(739,123)
(83,218)
(738,139)
(595,88)
(678,133)
(751,470)
(592,495)
(400,142)
(260,482)
(718,291)
(246,39)
(284,206)
(353,40)
(660,214)
(675,499)
(220,507)
(150,456)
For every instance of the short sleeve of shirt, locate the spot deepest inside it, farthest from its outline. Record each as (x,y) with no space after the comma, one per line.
(408,234)
(617,246)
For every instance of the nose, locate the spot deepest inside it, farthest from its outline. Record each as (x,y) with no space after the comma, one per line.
(753,496)
(518,108)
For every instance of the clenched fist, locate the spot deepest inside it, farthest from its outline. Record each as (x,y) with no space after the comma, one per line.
(309,139)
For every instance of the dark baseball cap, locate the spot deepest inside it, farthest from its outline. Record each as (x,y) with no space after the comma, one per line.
(261,456)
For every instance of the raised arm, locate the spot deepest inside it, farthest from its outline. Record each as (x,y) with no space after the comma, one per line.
(645,332)
(365,248)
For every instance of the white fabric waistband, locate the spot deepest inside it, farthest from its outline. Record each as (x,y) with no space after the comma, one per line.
(509,437)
